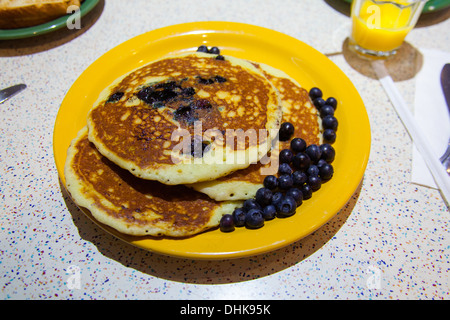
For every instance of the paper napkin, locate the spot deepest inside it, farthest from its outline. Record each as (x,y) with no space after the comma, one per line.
(431,113)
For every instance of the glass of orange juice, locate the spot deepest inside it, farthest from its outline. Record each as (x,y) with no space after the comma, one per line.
(379,27)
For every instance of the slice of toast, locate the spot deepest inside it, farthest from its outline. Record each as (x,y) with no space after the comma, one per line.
(26,13)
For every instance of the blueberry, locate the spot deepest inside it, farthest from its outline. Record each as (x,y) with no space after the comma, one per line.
(197,147)
(115,97)
(306,191)
(326,110)
(318,103)
(254,219)
(202,48)
(314,182)
(328,152)
(220,79)
(296,194)
(202,80)
(329,136)
(321,162)
(315,93)
(301,161)
(298,145)
(202,104)
(314,153)
(326,171)
(270,182)
(220,57)
(251,204)
(286,131)
(313,170)
(284,168)
(332,102)
(239,217)
(286,206)
(286,156)
(214,50)
(226,223)
(299,178)
(269,212)
(189,91)
(277,196)
(263,196)
(329,122)
(285,181)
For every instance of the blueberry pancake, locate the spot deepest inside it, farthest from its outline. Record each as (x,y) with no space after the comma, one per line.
(298,110)
(135,206)
(180,119)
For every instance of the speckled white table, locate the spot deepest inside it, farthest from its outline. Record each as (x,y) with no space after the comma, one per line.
(391,241)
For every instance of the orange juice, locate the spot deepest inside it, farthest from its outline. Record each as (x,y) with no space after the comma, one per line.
(382,26)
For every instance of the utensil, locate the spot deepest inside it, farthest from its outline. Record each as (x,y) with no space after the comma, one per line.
(437,170)
(445,159)
(445,84)
(7,93)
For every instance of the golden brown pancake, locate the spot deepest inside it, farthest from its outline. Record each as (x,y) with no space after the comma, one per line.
(298,110)
(135,206)
(133,121)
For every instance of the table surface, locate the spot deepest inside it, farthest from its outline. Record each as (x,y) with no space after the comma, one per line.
(391,241)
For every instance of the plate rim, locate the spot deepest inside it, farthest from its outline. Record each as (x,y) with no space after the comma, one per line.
(184,29)
(56,24)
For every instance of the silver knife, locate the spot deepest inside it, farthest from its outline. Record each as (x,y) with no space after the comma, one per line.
(445,83)
(7,93)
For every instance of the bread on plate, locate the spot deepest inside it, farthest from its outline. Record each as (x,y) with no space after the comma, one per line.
(27,13)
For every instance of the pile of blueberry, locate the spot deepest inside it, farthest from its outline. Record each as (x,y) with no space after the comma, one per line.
(326,111)
(205,49)
(302,170)
(212,50)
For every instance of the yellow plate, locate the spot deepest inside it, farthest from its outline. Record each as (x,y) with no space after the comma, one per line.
(300,61)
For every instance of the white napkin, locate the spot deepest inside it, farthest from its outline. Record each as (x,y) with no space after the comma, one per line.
(431,113)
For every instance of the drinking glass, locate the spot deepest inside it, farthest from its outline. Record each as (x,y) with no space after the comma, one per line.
(379,27)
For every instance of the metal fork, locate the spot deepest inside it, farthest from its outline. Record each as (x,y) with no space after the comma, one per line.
(445,159)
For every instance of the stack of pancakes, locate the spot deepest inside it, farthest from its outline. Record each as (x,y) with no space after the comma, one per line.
(171,147)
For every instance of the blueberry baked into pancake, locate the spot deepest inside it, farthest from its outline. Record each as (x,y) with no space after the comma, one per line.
(132,205)
(177,120)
